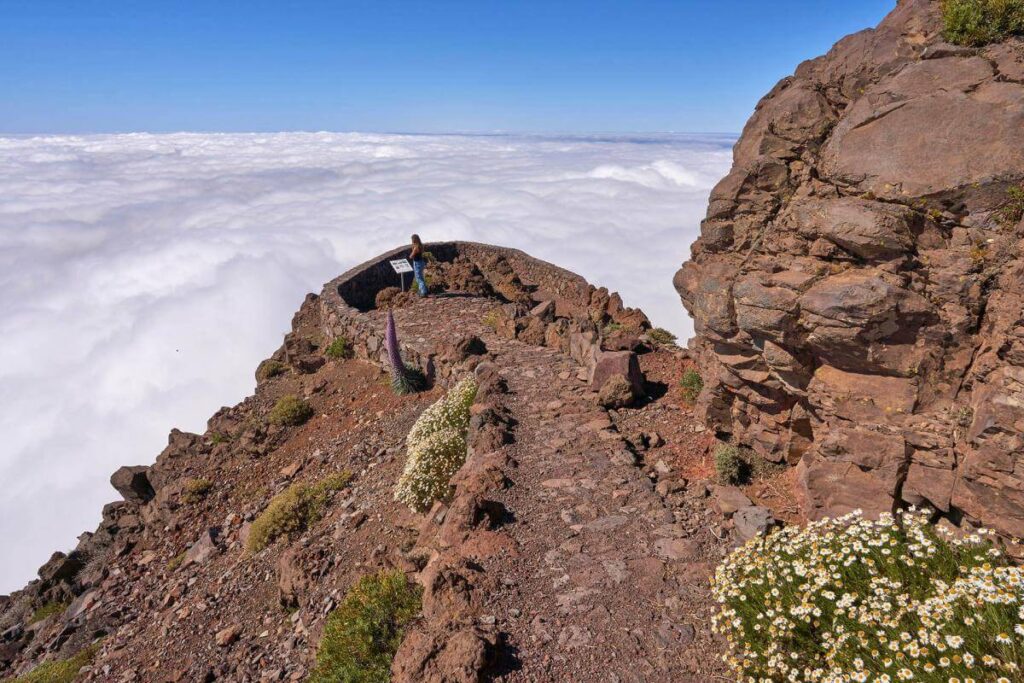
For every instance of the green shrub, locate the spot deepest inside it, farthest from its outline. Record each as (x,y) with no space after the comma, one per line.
(492,318)
(729,465)
(175,561)
(1013,210)
(218,438)
(195,490)
(290,410)
(339,348)
(362,635)
(47,611)
(851,599)
(61,671)
(979,22)
(659,335)
(436,448)
(612,327)
(692,384)
(294,510)
(737,465)
(270,368)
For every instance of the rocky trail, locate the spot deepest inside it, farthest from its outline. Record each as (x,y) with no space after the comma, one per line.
(605,579)
(576,543)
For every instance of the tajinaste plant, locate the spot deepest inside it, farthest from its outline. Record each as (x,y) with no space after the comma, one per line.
(403,380)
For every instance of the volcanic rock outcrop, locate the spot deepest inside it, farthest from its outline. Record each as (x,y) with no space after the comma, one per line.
(858,284)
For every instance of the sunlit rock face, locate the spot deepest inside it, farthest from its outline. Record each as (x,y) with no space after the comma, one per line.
(858,286)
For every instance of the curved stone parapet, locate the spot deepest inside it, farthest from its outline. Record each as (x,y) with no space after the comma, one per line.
(358,286)
(348,302)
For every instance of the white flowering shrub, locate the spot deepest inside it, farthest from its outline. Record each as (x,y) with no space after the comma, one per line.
(436,448)
(850,599)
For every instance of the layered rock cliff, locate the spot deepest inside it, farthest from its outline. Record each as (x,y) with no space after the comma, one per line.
(858,284)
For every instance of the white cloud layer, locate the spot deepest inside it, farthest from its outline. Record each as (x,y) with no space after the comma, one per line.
(143,277)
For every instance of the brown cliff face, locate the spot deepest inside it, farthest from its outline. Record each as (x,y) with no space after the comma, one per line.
(858,285)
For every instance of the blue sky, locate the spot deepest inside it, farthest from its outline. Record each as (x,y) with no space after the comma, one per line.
(441,66)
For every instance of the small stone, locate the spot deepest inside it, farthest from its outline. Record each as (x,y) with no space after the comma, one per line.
(675,548)
(291,470)
(228,635)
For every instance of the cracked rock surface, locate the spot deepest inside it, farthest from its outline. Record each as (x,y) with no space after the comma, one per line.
(858,285)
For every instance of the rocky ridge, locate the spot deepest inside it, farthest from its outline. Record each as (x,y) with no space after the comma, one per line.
(858,285)
(576,543)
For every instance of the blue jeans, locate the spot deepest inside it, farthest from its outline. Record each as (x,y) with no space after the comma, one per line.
(417,270)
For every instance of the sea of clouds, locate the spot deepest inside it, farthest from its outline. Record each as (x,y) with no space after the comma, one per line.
(143,277)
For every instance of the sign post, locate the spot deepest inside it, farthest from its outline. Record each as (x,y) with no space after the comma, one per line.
(401,266)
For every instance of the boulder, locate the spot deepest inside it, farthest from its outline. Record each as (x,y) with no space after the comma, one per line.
(729,499)
(206,547)
(608,364)
(291,578)
(752,521)
(61,568)
(457,654)
(132,482)
(545,310)
(616,393)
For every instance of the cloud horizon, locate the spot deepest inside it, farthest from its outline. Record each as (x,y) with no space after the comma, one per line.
(144,276)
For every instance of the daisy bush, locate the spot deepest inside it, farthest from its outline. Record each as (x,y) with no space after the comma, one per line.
(853,599)
(436,448)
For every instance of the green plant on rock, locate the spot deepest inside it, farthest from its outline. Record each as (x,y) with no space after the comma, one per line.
(218,438)
(980,22)
(492,319)
(853,599)
(176,561)
(47,611)
(339,348)
(659,335)
(362,635)
(60,671)
(737,465)
(195,490)
(270,368)
(290,410)
(1013,211)
(436,448)
(692,384)
(294,510)
(730,468)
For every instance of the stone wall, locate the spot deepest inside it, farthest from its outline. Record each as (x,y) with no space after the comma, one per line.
(347,302)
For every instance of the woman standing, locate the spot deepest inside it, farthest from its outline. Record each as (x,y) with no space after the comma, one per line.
(418,264)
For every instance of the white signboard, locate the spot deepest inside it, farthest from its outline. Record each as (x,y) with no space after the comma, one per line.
(401,266)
